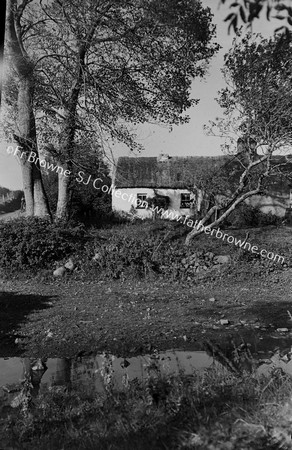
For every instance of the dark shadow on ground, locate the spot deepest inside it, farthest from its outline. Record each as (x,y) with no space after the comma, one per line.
(14,308)
(271,313)
(267,313)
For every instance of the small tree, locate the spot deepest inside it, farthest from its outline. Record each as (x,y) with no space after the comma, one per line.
(257,122)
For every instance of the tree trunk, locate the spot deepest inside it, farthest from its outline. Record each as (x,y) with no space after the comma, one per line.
(66,153)
(69,128)
(41,204)
(35,197)
(197,231)
(238,195)
(27,179)
(62,376)
(66,145)
(63,205)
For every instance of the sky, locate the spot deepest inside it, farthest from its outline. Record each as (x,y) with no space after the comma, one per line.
(185,140)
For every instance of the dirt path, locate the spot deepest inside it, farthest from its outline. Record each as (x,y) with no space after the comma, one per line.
(63,319)
(12,215)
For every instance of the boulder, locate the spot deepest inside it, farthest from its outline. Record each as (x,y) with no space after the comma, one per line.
(222,259)
(70,265)
(224,322)
(97,257)
(59,272)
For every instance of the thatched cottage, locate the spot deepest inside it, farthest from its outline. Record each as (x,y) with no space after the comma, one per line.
(138,179)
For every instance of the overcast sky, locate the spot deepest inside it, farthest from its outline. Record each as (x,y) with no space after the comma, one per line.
(184,140)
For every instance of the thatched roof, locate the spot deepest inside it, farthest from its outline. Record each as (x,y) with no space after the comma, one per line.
(182,172)
(174,172)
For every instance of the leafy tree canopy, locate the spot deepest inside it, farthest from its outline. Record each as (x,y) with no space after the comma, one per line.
(246,11)
(130,61)
(258,73)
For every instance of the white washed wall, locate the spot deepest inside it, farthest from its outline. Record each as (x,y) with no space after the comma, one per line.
(120,204)
(276,205)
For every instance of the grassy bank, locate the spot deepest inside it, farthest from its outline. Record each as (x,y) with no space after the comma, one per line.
(208,410)
(34,247)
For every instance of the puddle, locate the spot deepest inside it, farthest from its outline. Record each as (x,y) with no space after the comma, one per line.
(87,374)
(277,361)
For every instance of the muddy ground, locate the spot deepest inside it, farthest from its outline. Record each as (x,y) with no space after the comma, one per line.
(66,318)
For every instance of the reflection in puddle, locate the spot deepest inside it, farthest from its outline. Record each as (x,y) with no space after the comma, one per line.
(88,374)
(278,361)
(24,378)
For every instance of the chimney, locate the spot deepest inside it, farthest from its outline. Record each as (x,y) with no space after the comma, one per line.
(163,157)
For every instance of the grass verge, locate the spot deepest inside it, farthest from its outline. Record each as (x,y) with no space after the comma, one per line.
(212,410)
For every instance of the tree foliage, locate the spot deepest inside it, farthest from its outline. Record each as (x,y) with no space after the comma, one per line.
(135,60)
(246,11)
(258,73)
(257,119)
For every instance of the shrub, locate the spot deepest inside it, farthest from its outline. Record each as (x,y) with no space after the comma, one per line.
(269,219)
(123,255)
(114,218)
(31,243)
(251,216)
(143,250)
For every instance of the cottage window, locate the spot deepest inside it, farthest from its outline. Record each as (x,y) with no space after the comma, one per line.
(141,201)
(185,201)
